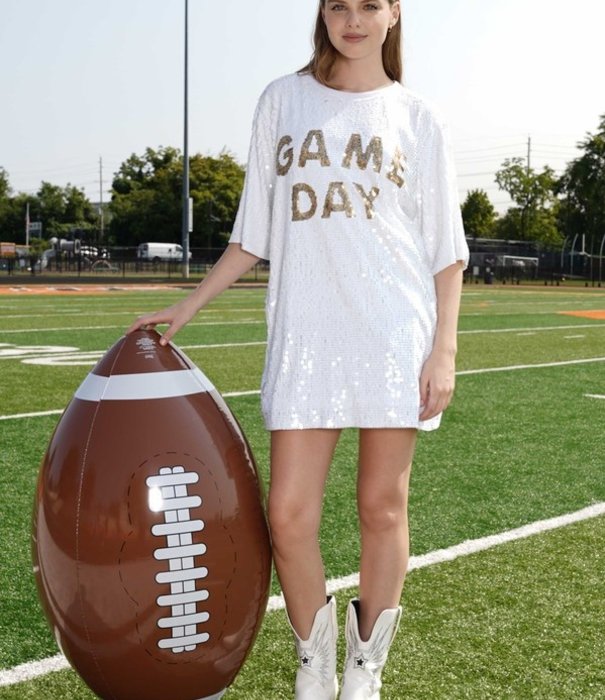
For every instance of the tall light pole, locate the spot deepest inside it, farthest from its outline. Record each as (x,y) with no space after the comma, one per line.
(186,206)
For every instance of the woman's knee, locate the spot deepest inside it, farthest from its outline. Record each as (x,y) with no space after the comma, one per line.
(380,511)
(291,520)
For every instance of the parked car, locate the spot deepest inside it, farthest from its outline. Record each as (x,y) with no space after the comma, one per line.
(157,252)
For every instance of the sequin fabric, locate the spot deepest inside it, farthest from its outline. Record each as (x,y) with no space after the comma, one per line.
(353,199)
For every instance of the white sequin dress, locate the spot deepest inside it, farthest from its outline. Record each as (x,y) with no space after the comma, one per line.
(353,199)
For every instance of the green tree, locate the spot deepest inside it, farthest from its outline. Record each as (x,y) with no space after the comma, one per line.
(479,215)
(63,210)
(583,188)
(146,203)
(533,193)
(5,189)
(5,203)
(216,187)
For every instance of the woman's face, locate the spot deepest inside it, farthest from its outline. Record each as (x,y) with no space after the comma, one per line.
(358,28)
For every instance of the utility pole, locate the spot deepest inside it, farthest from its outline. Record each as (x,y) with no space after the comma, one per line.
(101,216)
(27,224)
(186,218)
(526,211)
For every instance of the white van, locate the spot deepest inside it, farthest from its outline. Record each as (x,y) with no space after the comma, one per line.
(156,252)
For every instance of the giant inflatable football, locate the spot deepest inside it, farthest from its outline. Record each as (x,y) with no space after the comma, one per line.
(151,550)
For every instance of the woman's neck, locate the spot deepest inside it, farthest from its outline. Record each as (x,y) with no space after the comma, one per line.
(358,76)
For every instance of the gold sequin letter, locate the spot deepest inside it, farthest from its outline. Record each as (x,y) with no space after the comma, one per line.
(288,154)
(331,206)
(321,154)
(297,214)
(374,151)
(395,174)
(368,199)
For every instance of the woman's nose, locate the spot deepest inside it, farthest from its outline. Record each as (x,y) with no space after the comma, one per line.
(353,19)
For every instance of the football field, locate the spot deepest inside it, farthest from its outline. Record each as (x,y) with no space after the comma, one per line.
(505,597)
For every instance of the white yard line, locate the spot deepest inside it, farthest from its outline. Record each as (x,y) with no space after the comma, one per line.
(33,669)
(58,411)
(246,321)
(50,354)
(465,372)
(535,366)
(36,414)
(532,329)
(64,329)
(79,312)
(595,396)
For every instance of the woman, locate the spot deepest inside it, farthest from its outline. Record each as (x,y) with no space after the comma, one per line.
(350,193)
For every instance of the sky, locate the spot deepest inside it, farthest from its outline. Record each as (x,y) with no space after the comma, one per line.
(82,81)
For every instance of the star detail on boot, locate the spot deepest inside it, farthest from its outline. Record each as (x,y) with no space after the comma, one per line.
(305,660)
(359,661)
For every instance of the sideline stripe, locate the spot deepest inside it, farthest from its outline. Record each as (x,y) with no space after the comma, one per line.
(28,671)
(595,396)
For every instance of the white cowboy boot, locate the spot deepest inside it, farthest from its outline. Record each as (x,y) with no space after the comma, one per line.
(316,677)
(365,660)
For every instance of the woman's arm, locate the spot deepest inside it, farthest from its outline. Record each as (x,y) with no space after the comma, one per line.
(438,376)
(232,264)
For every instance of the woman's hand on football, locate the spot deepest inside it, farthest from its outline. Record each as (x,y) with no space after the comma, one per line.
(175,316)
(437,381)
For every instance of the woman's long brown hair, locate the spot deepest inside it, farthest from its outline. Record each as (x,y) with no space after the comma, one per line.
(325,55)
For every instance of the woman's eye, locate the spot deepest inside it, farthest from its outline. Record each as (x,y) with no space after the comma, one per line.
(370,6)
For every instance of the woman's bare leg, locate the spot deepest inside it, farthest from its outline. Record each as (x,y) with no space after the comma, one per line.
(300,460)
(385,461)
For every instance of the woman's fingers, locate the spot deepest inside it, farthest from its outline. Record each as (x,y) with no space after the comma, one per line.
(438,401)
(143,322)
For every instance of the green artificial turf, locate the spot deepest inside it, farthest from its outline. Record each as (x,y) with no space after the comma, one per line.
(515,446)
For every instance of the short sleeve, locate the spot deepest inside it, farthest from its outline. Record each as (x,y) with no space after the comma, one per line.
(442,227)
(252,227)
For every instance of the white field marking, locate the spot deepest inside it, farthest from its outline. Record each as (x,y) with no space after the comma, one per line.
(75,359)
(532,330)
(59,411)
(254,392)
(536,366)
(79,312)
(250,321)
(28,671)
(595,396)
(496,312)
(85,358)
(10,351)
(569,337)
(528,333)
(37,414)
(65,329)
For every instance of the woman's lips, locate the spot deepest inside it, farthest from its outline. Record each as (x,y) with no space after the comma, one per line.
(354,38)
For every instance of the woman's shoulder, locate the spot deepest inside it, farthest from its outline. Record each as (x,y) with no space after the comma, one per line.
(424,107)
(281,87)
